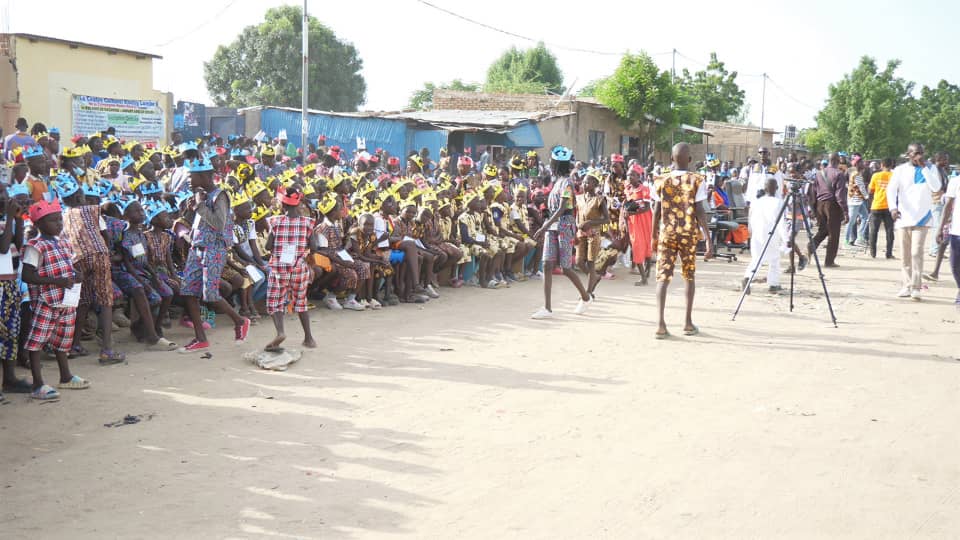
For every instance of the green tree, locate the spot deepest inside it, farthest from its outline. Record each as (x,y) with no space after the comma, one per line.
(937,118)
(637,90)
(868,111)
(590,89)
(422,99)
(713,93)
(813,140)
(529,71)
(263,65)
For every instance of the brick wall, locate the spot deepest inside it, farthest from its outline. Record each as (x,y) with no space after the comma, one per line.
(6,45)
(477,101)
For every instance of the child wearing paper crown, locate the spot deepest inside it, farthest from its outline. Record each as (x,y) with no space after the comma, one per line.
(212,236)
(11,244)
(135,278)
(84,228)
(159,242)
(289,243)
(48,271)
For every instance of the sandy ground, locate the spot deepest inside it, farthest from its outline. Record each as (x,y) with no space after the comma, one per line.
(465,419)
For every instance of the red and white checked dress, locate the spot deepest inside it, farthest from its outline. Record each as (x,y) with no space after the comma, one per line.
(51,324)
(289,282)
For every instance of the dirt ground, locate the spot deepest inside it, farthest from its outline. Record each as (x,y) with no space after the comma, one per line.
(466,419)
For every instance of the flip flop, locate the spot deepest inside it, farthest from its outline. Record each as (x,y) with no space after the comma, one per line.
(692,332)
(76,383)
(162,344)
(108,357)
(45,393)
(661,336)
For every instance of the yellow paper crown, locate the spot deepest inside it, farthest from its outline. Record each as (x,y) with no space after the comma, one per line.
(74,152)
(327,203)
(309,168)
(260,212)
(143,161)
(268,151)
(255,187)
(490,171)
(137,182)
(239,197)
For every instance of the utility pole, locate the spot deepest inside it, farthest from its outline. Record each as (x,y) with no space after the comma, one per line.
(304,116)
(673,76)
(763,103)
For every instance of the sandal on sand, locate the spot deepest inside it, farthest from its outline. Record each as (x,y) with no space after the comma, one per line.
(665,335)
(76,383)
(691,332)
(45,393)
(77,351)
(162,344)
(108,357)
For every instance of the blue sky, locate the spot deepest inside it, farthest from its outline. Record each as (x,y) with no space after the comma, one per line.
(803,46)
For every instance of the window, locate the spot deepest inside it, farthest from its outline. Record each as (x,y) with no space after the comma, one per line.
(596,144)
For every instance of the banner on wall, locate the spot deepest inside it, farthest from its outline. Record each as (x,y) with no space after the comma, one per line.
(134,119)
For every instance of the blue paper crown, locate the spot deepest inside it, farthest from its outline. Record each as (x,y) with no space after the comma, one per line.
(150,188)
(127,161)
(561,153)
(153,209)
(124,203)
(66,185)
(32,151)
(91,191)
(197,165)
(17,189)
(54,130)
(189,145)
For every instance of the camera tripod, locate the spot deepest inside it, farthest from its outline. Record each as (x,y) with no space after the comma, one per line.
(792,200)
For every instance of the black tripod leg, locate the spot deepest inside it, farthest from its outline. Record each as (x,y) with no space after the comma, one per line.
(759,260)
(793,245)
(816,259)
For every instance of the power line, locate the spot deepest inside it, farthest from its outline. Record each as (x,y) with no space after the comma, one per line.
(507,32)
(784,92)
(199,26)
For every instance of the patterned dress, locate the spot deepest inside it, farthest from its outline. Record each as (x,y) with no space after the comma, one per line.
(81,226)
(333,232)
(208,254)
(159,244)
(559,240)
(678,193)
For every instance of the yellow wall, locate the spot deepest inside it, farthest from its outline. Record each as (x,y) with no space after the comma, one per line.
(49,74)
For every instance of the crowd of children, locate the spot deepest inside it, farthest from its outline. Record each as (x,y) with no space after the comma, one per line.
(106,233)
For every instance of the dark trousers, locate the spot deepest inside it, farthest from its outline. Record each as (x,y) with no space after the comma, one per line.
(878,218)
(829,222)
(955,259)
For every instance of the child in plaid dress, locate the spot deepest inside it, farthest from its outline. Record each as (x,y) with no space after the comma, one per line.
(290,276)
(48,270)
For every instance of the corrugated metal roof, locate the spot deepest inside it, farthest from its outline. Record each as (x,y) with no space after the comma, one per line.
(469,120)
(71,43)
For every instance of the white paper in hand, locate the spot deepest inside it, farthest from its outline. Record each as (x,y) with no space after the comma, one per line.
(6,264)
(288,254)
(344,255)
(255,274)
(31,256)
(71,296)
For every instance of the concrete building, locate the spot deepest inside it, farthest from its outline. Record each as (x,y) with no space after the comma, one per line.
(734,142)
(80,88)
(584,125)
